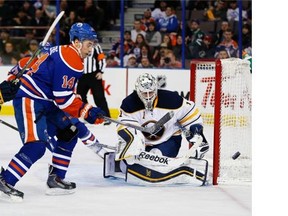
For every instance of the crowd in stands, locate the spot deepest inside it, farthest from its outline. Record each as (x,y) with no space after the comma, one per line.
(154,42)
(157,36)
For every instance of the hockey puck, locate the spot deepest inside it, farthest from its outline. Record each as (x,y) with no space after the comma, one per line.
(236,155)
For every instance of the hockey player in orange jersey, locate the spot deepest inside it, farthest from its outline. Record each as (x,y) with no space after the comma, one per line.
(45,92)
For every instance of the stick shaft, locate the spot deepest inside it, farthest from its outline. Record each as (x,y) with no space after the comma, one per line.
(9,125)
(35,54)
(153,129)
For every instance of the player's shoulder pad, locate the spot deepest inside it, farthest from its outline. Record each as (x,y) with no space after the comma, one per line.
(132,103)
(169,99)
(71,58)
(22,62)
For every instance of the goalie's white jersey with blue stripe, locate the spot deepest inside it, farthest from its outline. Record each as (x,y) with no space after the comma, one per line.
(186,113)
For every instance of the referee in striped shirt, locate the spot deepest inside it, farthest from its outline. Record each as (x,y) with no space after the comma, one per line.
(94,66)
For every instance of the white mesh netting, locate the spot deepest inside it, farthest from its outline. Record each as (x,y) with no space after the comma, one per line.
(236,105)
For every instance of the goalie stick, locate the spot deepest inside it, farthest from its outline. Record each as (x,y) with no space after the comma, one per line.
(38,51)
(151,130)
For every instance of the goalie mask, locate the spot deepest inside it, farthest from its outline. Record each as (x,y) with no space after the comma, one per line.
(146,88)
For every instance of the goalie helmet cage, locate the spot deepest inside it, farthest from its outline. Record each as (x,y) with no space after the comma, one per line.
(222,91)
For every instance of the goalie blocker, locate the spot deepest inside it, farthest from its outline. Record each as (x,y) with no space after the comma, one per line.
(152,169)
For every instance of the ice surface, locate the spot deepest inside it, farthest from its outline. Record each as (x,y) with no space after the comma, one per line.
(98,196)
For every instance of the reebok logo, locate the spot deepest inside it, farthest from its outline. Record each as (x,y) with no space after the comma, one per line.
(155,158)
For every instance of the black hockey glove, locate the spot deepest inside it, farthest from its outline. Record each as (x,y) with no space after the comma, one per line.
(67,134)
(8,90)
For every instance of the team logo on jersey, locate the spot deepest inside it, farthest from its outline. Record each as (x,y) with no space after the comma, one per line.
(155,136)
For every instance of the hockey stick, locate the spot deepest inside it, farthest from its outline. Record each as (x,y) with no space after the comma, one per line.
(107,146)
(98,144)
(9,125)
(151,130)
(38,51)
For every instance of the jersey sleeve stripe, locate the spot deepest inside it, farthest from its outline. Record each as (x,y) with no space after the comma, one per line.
(62,93)
(189,117)
(67,103)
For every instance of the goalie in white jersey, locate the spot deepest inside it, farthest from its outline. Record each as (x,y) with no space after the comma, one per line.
(158,151)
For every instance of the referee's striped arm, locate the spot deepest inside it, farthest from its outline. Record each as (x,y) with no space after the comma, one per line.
(96,62)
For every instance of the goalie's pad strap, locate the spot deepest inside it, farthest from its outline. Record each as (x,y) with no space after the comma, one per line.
(152,176)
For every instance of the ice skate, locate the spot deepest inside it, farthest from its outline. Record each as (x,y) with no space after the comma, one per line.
(9,193)
(57,186)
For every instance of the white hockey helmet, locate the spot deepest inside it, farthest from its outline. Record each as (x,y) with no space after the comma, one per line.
(146,87)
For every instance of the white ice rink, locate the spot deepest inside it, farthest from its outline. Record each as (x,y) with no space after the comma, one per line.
(98,196)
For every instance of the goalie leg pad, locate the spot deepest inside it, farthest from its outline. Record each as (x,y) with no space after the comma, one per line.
(191,174)
(132,143)
(112,168)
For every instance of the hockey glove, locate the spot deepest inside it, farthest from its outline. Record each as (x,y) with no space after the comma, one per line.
(93,115)
(67,134)
(8,90)
(201,150)
(197,130)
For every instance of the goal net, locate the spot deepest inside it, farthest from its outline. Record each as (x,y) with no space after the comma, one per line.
(222,90)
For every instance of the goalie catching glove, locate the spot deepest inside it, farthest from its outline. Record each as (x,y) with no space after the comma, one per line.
(197,130)
(93,115)
(8,90)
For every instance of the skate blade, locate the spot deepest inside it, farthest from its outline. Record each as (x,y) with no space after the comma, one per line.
(10,198)
(59,191)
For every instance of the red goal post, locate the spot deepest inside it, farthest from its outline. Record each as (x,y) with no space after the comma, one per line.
(222,90)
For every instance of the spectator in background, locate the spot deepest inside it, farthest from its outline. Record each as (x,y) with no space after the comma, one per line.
(194,37)
(220,10)
(169,61)
(229,44)
(146,20)
(49,9)
(144,52)
(233,12)
(131,61)
(153,37)
(205,50)
(9,55)
(169,23)
(209,14)
(160,54)
(246,36)
(140,41)
(218,37)
(137,30)
(38,21)
(28,8)
(167,40)
(4,37)
(128,45)
(21,19)
(68,22)
(222,54)
(33,46)
(111,61)
(24,44)
(159,10)
(145,63)
(177,49)
(91,14)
